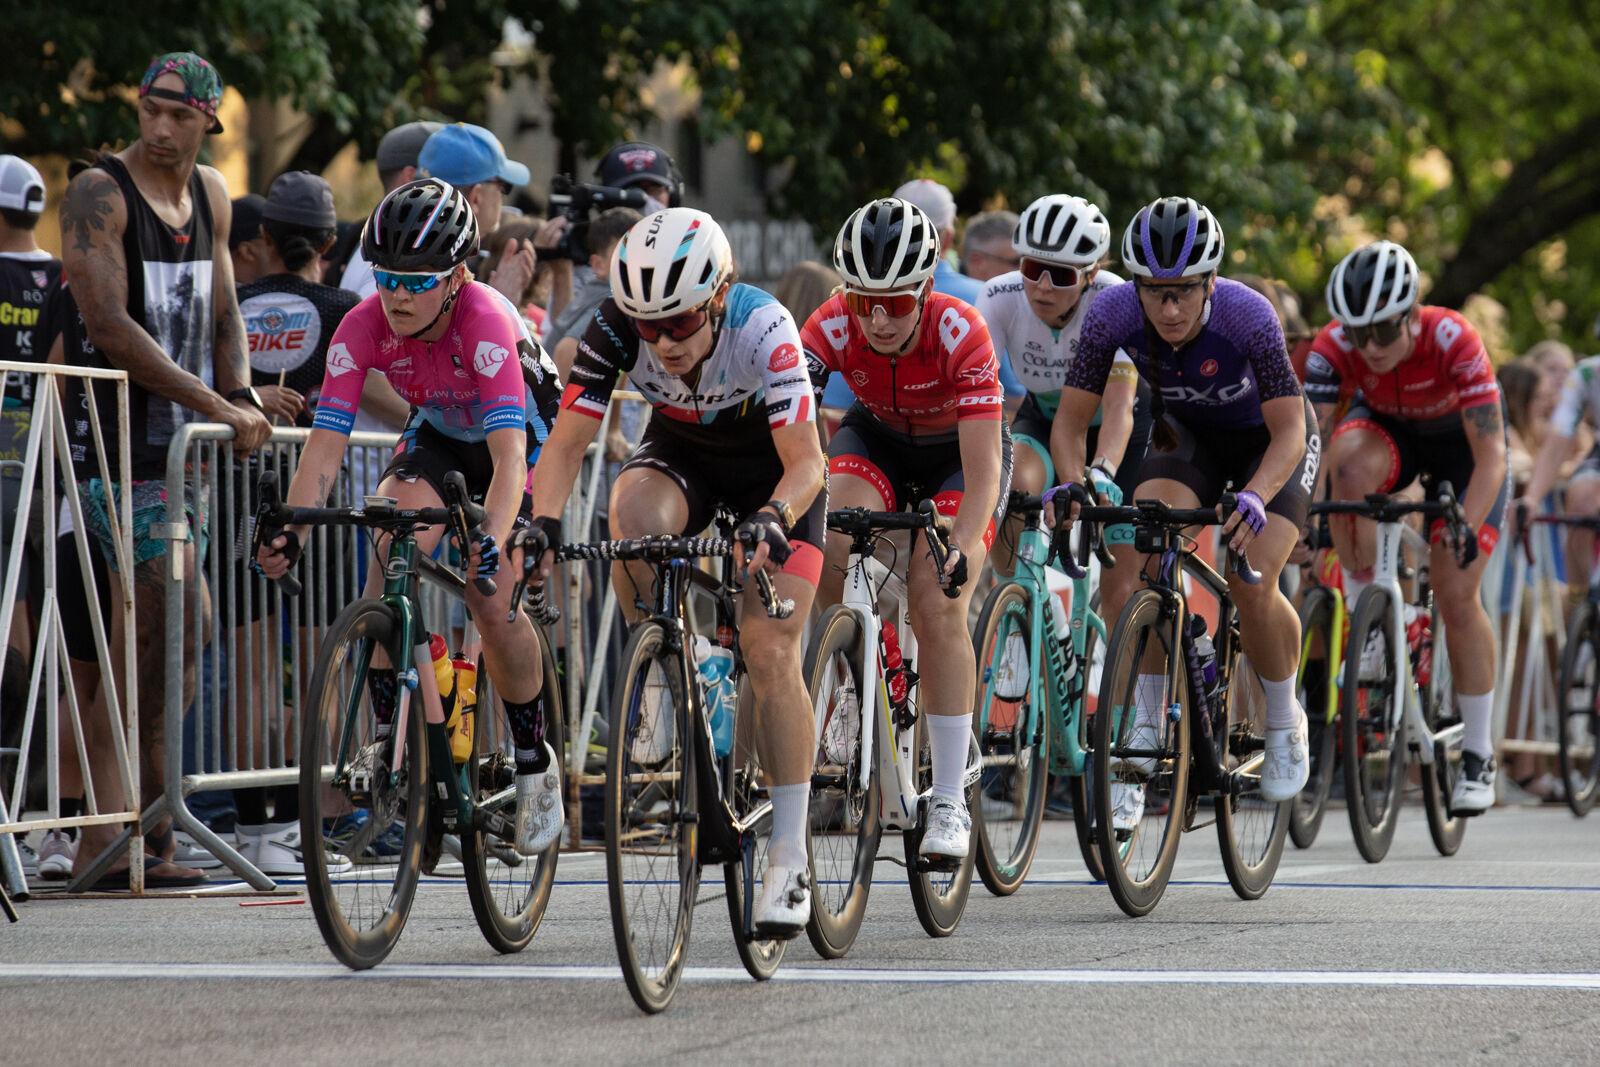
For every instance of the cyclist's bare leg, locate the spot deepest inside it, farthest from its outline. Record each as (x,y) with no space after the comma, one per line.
(786,738)
(844,491)
(1358,463)
(643,502)
(945,659)
(408,494)
(1469,636)
(1269,628)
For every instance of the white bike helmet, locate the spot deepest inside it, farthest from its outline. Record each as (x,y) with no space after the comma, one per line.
(886,245)
(1062,229)
(669,263)
(1174,237)
(1375,282)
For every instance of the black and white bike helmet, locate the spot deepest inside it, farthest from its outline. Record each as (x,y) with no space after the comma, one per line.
(1174,237)
(1375,282)
(1062,229)
(425,226)
(886,245)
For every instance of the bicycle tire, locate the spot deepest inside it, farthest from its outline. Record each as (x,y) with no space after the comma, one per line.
(1137,876)
(1439,778)
(1083,808)
(1580,782)
(340,905)
(1003,865)
(509,900)
(1317,672)
(651,801)
(1374,753)
(938,896)
(836,912)
(1250,831)
(760,956)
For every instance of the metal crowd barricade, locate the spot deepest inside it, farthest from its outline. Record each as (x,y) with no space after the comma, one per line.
(47,462)
(1526,604)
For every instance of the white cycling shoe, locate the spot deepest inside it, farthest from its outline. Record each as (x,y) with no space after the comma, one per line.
(1011,679)
(1287,764)
(1127,805)
(539,811)
(784,905)
(1474,791)
(1145,735)
(948,830)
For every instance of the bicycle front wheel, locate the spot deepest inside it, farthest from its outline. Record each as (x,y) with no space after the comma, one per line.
(844,811)
(1374,732)
(742,782)
(1140,771)
(361,832)
(939,896)
(1580,711)
(652,870)
(509,891)
(1250,829)
(1317,679)
(1010,726)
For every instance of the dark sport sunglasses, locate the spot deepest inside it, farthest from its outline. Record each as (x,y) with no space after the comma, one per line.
(1177,294)
(414,283)
(1062,276)
(678,327)
(894,305)
(1379,333)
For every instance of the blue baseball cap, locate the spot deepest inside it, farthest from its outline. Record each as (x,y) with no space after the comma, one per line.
(463,154)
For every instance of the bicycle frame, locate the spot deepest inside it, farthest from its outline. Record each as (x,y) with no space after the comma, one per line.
(1386,574)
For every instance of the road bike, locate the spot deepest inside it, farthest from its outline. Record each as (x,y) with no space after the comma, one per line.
(873,767)
(1324,631)
(405,785)
(1579,685)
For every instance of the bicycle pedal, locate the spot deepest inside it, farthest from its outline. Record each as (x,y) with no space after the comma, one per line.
(938,864)
(775,933)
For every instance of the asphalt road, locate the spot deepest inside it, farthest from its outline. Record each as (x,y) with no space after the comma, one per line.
(1492,955)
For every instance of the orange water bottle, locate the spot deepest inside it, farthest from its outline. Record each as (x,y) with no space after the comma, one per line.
(461,739)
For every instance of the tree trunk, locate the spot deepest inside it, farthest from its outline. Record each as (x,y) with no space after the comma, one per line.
(317,150)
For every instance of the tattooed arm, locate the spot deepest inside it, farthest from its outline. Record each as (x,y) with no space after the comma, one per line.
(1486,436)
(94,217)
(229,350)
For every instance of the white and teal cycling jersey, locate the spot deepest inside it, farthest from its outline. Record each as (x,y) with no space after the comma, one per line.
(1579,396)
(1038,353)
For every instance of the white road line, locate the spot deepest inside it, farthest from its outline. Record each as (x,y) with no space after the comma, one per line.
(823,975)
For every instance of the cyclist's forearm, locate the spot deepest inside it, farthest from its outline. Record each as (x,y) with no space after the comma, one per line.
(980,470)
(1548,465)
(559,462)
(1488,475)
(316,473)
(504,499)
(1285,419)
(1116,422)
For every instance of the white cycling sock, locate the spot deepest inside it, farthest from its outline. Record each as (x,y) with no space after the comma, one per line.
(1282,711)
(1147,694)
(791,805)
(1353,587)
(949,736)
(1477,715)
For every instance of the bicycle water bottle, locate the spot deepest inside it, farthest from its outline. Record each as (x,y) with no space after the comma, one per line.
(1205,656)
(467,706)
(1058,585)
(713,665)
(444,673)
(894,671)
(1419,637)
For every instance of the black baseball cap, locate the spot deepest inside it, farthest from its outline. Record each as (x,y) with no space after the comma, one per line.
(402,145)
(246,220)
(637,162)
(301,198)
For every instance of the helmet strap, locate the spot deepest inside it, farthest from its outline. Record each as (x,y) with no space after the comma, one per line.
(444,309)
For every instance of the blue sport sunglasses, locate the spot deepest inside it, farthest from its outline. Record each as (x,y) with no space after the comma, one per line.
(414,283)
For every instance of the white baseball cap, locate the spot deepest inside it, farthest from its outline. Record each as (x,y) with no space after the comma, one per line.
(934,200)
(21,187)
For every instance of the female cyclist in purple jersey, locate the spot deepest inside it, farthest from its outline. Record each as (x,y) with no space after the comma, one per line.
(1227,410)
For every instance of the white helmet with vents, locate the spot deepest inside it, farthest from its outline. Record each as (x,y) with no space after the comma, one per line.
(1375,282)
(670,262)
(886,245)
(1063,229)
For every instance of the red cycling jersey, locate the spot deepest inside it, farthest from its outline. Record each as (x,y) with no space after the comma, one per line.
(1448,370)
(950,374)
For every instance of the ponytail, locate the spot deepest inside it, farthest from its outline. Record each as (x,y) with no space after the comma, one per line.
(296,245)
(1162,435)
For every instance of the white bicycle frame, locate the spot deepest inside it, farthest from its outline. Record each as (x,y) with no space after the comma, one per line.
(1392,536)
(888,750)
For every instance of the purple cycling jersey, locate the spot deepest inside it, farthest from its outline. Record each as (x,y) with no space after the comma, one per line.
(1216,381)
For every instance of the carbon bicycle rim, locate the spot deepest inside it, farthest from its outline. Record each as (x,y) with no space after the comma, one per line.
(939,896)
(652,870)
(362,847)
(742,786)
(1580,711)
(1374,734)
(844,812)
(1250,829)
(1010,726)
(509,892)
(1318,673)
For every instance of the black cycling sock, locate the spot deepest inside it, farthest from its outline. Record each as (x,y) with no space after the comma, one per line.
(252,805)
(527,735)
(286,803)
(384,688)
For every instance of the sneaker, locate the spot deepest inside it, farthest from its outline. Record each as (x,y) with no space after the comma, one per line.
(947,829)
(652,737)
(539,814)
(843,728)
(383,848)
(1127,805)
(785,901)
(1474,790)
(30,859)
(1287,766)
(1145,734)
(56,853)
(279,852)
(1011,678)
(189,854)
(1373,657)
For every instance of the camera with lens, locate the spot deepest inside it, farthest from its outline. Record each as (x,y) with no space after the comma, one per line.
(579,202)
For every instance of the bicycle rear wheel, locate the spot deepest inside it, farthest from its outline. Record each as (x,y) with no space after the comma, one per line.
(360,909)
(652,870)
(1084,812)
(509,892)
(844,813)
(1138,859)
(1439,778)
(1580,711)
(1250,829)
(742,782)
(939,896)
(1374,730)
(1318,673)
(1012,735)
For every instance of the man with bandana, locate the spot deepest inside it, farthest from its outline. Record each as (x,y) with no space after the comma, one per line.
(145,242)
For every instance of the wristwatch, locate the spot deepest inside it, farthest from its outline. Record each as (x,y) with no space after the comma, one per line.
(249,395)
(784,512)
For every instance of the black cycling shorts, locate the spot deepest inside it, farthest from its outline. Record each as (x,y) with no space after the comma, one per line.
(905,470)
(741,482)
(425,453)
(1208,461)
(1031,427)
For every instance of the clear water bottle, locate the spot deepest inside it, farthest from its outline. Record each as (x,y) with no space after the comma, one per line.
(1204,652)
(714,669)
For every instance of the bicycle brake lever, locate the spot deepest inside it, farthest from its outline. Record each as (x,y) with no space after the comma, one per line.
(1241,566)
(777,607)
(270,514)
